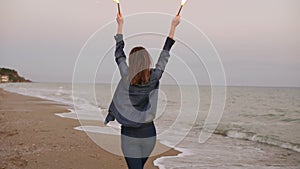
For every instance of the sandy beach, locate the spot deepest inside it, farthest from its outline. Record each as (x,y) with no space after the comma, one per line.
(32,136)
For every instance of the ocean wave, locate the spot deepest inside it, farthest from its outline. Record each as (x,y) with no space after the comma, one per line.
(258,138)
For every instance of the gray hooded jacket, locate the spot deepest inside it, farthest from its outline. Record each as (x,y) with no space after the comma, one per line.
(134,105)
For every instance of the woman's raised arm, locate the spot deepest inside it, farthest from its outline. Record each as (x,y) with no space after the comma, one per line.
(120,22)
(174,24)
(165,53)
(120,56)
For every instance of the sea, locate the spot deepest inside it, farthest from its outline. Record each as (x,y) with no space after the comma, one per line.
(258,127)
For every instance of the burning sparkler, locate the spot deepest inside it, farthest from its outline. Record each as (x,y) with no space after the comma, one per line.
(181,6)
(119,9)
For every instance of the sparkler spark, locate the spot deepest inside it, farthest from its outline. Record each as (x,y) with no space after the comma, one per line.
(119,8)
(183,2)
(181,6)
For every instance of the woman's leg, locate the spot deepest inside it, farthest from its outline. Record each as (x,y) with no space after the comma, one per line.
(134,163)
(147,148)
(137,149)
(148,144)
(132,152)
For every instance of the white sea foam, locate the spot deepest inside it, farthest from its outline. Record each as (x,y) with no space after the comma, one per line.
(159,162)
(100,130)
(70,115)
(258,138)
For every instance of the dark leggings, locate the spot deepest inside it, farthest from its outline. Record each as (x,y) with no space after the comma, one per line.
(137,144)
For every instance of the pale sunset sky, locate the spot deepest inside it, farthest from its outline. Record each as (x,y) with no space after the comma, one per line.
(258,40)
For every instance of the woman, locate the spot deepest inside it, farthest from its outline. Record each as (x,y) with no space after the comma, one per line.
(134,103)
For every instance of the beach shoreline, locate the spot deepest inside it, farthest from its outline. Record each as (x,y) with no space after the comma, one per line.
(32,136)
(35,133)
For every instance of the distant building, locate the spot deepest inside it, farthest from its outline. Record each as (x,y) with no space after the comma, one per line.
(4,78)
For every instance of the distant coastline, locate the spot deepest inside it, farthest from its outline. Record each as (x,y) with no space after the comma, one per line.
(11,76)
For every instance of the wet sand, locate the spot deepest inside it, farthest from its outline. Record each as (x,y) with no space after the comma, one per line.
(32,136)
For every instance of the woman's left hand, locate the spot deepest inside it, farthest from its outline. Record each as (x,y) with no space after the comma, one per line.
(120,19)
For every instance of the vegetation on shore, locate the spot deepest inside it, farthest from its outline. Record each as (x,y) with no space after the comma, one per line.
(10,75)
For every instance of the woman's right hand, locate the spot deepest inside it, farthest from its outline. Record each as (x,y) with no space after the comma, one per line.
(174,24)
(176,21)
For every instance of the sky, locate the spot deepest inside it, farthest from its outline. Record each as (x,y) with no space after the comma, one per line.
(258,41)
